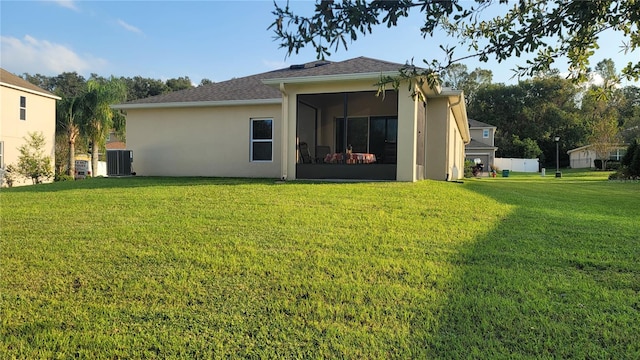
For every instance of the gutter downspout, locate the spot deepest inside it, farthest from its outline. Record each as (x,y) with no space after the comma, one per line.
(454,168)
(284,142)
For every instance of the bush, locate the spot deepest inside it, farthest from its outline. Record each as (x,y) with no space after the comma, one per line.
(613,165)
(597,163)
(63,177)
(468,168)
(9,175)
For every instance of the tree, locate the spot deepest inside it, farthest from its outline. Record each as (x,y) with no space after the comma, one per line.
(600,107)
(180,83)
(536,109)
(98,115)
(32,162)
(527,148)
(69,123)
(206,81)
(548,28)
(456,76)
(140,88)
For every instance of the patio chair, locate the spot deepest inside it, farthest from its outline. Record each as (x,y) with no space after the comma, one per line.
(304,153)
(321,152)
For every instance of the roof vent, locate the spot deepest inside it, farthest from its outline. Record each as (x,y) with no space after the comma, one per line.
(321,63)
(296,67)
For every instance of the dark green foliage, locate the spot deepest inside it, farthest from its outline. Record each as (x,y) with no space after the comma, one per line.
(628,156)
(528,116)
(63,177)
(468,168)
(634,167)
(550,29)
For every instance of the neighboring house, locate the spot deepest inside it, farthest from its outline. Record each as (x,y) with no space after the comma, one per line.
(286,123)
(114,143)
(482,143)
(25,108)
(584,156)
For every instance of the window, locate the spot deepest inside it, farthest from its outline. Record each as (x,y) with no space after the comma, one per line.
(23,108)
(261,140)
(485,133)
(617,155)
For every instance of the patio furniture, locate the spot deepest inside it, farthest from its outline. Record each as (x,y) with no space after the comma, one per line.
(352,158)
(304,153)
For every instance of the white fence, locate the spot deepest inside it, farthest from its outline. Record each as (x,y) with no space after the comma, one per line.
(519,165)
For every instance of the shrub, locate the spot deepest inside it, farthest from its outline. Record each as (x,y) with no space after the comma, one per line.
(613,165)
(33,163)
(468,168)
(9,175)
(63,177)
(597,163)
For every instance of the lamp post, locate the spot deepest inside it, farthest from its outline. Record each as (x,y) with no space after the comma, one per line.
(557,140)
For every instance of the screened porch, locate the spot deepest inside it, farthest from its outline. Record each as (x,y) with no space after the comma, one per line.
(349,135)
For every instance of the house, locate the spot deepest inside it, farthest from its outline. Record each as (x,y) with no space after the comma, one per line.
(482,143)
(319,120)
(114,142)
(25,109)
(584,156)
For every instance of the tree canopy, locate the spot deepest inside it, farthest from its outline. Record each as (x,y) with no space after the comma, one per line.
(547,28)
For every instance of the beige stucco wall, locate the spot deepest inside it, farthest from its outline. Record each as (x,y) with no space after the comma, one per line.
(40,117)
(476,134)
(201,141)
(437,139)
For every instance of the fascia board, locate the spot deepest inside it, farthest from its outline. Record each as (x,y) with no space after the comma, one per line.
(192,104)
(328,78)
(30,91)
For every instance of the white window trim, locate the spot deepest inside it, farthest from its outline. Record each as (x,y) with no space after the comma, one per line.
(252,141)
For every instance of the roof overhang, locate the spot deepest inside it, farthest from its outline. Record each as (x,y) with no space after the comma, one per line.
(459,109)
(328,78)
(194,104)
(19,88)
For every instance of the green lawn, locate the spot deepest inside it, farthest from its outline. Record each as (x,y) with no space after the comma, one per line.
(517,267)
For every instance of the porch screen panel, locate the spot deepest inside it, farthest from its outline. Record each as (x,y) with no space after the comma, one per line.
(383,135)
(357,134)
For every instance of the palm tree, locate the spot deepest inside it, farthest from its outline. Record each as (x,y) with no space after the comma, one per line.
(101,94)
(69,121)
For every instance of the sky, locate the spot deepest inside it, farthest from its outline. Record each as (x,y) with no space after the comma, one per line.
(216,40)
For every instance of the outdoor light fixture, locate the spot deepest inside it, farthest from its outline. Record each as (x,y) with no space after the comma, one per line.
(558,173)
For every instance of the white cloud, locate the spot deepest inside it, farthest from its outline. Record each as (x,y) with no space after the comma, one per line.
(33,56)
(129,27)
(69,4)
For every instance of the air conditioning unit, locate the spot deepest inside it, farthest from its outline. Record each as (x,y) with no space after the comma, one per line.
(119,162)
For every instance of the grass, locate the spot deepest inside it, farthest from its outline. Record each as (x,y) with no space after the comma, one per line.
(517,267)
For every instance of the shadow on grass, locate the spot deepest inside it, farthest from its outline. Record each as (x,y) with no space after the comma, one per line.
(557,278)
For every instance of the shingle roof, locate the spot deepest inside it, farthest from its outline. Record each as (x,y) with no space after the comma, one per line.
(479,124)
(14,80)
(252,88)
(475,144)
